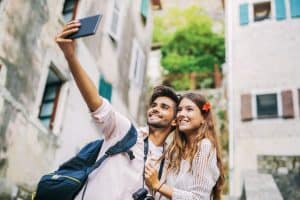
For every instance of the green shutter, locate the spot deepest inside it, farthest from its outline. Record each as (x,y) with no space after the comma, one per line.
(144,8)
(280,9)
(105,89)
(244,14)
(295,8)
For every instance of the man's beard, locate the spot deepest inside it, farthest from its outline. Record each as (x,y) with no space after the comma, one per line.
(157,125)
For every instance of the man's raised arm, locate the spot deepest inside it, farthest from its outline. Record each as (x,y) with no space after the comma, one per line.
(87,88)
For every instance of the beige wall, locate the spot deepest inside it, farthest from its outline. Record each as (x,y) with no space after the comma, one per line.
(262,57)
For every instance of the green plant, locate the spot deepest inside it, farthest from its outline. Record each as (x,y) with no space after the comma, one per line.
(189,45)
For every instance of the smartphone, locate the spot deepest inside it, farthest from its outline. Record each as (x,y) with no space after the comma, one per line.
(88,26)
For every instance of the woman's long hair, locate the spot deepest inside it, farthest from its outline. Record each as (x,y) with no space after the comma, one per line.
(177,148)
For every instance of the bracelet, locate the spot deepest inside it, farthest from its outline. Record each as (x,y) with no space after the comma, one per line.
(157,190)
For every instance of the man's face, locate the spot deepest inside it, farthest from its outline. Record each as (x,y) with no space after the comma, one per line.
(161,112)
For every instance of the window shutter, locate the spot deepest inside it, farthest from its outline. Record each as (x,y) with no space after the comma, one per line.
(105,89)
(280,9)
(244,14)
(246,107)
(287,104)
(144,8)
(295,8)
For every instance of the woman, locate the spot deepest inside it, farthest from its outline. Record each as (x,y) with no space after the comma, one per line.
(193,168)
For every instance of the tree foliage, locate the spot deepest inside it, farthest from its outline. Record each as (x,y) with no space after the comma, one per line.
(188,42)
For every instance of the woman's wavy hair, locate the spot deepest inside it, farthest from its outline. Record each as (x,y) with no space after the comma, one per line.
(176,149)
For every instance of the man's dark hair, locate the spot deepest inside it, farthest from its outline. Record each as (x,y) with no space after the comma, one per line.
(164,91)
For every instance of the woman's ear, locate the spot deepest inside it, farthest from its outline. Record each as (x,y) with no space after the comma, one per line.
(173,123)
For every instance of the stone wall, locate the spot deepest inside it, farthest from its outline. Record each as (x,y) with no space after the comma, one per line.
(278,164)
(260,187)
(27,149)
(286,173)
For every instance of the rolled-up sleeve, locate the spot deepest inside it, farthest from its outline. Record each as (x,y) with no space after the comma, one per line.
(109,122)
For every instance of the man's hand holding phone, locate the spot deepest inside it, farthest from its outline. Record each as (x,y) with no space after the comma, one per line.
(75,29)
(68,45)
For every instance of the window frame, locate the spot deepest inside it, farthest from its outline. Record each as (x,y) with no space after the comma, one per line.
(73,10)
(270,14)
(137,65)
(254,104)
(116,36)
(55,100)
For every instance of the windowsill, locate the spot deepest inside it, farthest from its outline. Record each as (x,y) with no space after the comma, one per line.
(260,20)
(268,117)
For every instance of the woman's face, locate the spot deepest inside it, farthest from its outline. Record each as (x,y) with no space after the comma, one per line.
(189,116)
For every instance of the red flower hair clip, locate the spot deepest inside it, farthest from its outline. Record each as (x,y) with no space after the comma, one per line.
(206,107)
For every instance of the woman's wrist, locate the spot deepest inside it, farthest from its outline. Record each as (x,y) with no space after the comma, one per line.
(158,186)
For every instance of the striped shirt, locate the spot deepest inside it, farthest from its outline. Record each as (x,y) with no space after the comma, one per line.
(198,183)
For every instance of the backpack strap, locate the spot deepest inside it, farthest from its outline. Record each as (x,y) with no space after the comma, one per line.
(121,146)
(87,156)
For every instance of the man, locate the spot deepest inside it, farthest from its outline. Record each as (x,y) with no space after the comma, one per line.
(118,177)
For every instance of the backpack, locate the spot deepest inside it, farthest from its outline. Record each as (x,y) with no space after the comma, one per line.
(66,182)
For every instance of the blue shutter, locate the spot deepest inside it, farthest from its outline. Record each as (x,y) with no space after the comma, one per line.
(244,14)
(295,8)
(280,9)
(105,89)
(144,8)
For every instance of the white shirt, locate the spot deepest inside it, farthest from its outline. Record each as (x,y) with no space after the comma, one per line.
(118,177)
(198,183)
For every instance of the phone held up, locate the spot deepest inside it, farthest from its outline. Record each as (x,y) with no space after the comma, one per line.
(88,26)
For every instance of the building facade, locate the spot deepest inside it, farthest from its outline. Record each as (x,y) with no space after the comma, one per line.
(43,118)
(262,45)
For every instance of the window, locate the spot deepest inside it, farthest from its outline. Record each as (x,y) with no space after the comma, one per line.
(50,99)
(295,8)
(280,9)
(69,9)
(272,104)
(137,67)
(105,89)
(114,28)
(244,14)
(262,11)
(266,105)
(156,4)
